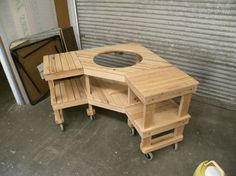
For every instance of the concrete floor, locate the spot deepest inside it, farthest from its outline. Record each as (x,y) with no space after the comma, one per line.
(32,145)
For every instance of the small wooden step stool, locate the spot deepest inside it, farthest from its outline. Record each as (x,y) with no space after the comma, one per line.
(152,110)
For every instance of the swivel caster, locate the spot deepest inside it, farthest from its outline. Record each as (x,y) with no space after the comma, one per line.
(62,127)
(149,156)
(132,131)
(92,117)
(175,146)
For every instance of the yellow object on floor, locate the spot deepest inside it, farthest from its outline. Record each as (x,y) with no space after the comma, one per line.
(209,168)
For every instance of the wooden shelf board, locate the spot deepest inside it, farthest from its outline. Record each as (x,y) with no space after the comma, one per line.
(69,92)
(108,94)
(156,85)
(165,117)
(62,65)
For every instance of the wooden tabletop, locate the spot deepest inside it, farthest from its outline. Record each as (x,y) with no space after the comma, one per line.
(149,60)
(63,65)
(156,85)
(82,62)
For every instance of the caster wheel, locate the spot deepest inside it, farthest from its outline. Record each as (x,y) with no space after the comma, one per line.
(62,127)
(92,117)
(149,156)
(133,131)
(175,146)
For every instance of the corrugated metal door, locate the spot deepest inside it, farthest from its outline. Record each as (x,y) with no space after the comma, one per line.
(197,36)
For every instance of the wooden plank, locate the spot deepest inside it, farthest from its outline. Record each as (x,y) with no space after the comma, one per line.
(58,63)
(46,65)
(76,89)
(52,67)
(183,111)
(131,97)
(59,119)
(156,85)
(64,62)
(98,94)
(87,84)
(148,112)
(162,144)
(106,106)
(58,93)
(164,118)
(76,60)
(64,74)
(81,87)
(52,92)
(184,105)
(70,61)
(69,90)
(63,92)
(145,142)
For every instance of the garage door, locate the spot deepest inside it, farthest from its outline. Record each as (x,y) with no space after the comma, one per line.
(197,36)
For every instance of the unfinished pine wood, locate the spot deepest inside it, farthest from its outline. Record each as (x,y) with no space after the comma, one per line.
(59,119)
(182,111)
(108,94)
(145,142)
(52,91)
(165,117)
(184,104)
(148,113)
(132,98)
(161,144)
(156,85)
(149,59)
(143,91)
(90,110)
(69,92)
(62,65)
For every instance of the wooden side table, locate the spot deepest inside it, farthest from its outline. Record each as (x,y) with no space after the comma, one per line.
(152,109)
(64,74)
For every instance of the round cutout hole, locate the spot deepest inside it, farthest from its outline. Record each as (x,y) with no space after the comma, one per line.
(117,59)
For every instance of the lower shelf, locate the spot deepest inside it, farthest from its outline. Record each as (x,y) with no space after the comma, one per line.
(108,94)
(158,144)
(165,118)
(69,92)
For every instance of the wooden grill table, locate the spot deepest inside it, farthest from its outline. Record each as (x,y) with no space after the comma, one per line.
(144,91)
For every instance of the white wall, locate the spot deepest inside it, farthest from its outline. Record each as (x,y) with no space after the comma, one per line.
(21,18)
